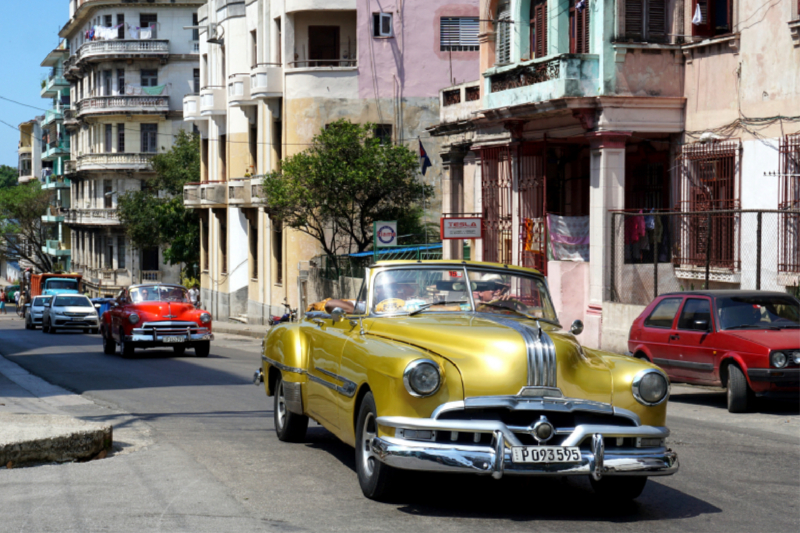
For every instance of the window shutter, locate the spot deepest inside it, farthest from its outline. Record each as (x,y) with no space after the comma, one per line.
(634,19)
(656,20)
(582,31)
(540,27)
(705,28)
(458,34)
(503,34)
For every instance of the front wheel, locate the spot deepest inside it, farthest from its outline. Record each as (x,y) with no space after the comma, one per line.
(109,346)
(202,349)
(740,397)
(45,327)
(125,348)
(290,427)
(619,488)
(377,480)
(178,350)
(95,331)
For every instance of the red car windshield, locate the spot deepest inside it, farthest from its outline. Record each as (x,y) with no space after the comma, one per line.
(758,312)
(159,293)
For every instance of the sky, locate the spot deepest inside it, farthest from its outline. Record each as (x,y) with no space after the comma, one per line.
(31,31)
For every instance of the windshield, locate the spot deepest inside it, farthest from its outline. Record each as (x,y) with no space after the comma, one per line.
(159,293)
(415,290)
(758,312)
(39,301)
(72,301)
(61,284)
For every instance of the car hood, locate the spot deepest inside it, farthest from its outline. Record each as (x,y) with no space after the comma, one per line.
(160,311)
(491,354)
(784,339)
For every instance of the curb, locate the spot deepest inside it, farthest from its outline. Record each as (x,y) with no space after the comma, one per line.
(245,331)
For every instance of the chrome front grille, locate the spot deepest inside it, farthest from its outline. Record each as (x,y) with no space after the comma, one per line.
(542,371)
(171,328)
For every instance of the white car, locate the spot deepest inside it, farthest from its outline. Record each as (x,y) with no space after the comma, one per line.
(35,311)
(70,311)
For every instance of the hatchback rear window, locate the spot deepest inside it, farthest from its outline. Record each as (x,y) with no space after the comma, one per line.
(664,313)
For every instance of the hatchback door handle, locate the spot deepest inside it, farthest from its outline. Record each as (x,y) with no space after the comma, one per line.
(674,337)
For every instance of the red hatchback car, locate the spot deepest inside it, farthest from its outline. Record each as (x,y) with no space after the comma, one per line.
(155,315)
(746,341)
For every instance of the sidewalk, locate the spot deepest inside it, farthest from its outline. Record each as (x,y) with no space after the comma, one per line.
(247,330)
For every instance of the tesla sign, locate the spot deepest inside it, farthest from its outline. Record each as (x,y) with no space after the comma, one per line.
(462,228)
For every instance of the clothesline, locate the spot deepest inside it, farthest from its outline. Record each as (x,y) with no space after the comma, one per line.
(109,33)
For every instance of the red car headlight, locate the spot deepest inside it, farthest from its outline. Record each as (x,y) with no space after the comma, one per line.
(133,318)
(205,318)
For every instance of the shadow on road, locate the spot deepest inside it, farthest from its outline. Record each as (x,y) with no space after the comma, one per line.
(718,399)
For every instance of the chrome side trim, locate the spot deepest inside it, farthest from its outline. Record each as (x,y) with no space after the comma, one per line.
(540,348)
(708,367)
(446,407)
(281,366)
(348,388)
(293,395)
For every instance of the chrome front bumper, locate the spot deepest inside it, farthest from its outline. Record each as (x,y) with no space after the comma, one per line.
(159,339)
(496,460)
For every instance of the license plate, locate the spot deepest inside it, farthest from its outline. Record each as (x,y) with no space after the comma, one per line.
(174,339)
(545,454)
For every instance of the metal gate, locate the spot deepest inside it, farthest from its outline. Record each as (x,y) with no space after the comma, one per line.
(533,206)
(789,204)
(497,205)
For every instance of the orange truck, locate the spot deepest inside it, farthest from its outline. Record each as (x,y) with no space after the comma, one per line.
(52,284)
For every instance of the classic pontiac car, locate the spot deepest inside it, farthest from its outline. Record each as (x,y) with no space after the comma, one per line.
(155,315)
(463,367)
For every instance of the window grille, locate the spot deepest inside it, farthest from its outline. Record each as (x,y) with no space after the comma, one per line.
(458,34)
(497,208)
(789,205)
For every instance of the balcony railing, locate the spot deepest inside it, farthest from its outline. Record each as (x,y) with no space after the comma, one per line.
(191,194)
(326,63)
(212,101)
(150,275)
(92,217)
(135,162)
(52,115)
(53,84)
(123,104)
(266,80)
(122,49)
(460,102)
(56,149)
(191,107)
(70,167)
(213,193)
(239,90)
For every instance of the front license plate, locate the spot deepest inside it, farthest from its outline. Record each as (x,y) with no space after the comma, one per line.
(174,339)
(545,454)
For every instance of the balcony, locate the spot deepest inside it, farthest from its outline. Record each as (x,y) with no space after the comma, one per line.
(191,107)
(239,90)
(55,248)
(55,182)
(53,215)
(568,75)
(53,85)
(71,118)
(293,6)
(56,149)
(213,194)
(266,80)
(460,102)
(112,162)
(256,189)
(212,101)
(97,51)
(92,217)
(70,167)
(54,115)
(191,195)
(123,105)
(150,276)
(238,194)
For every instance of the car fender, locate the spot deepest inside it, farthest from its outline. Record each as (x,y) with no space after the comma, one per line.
(634,348)
(285,348)
(728,359)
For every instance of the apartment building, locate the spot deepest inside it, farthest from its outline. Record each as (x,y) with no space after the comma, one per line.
(30,150)
(130,64)
(587,108)
(272,75)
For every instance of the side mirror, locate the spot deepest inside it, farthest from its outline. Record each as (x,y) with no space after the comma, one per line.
(576,328)
(701,325)
(337,315)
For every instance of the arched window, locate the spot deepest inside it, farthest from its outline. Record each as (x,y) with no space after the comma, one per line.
(538,28)
(502,30)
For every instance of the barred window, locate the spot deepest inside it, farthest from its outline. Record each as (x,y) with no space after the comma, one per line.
(458,34)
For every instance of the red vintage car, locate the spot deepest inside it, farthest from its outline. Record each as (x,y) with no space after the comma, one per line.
(746,341)
(155,315)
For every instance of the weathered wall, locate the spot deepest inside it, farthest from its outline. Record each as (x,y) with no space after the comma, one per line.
(616,325)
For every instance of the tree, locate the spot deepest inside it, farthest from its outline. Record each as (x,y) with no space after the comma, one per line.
(156,216)
(8,176)
(345,181)
(22,234)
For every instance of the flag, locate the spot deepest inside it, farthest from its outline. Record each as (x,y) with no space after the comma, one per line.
(424,159)
(697,19)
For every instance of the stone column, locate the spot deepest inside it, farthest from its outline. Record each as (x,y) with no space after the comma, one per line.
(453,195)
(607,172)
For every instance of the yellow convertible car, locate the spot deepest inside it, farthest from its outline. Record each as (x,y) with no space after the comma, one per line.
(463,367)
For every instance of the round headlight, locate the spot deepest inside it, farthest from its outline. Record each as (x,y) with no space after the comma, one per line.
(796,357)
(133,318)
(422,378)
(650,387)
(779,359)
(205,318)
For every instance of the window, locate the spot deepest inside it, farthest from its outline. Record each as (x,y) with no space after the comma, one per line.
(121,138)
(196,80)
(151,21)
(253,241)
(502,32)
(149,77)
(107,21)
(107,194)
(646,20)
(538,28)
(696,315)
(195,31)
(323,43)
(150,259)
(579,27)
(254,48)
(108,139)
(107,80)
(223,243)
(203,245)
(120,252)
(121,24)
(664,313)
(789,205)
(277,250)
(110,254)
(458,34)
(383,132)
(381,24)
(149,138)
(120,81)
(715,17)
(223,157)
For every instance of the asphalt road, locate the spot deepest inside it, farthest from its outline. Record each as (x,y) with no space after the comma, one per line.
(196,452)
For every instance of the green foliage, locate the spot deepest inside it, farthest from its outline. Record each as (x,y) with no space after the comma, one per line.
(156,216)
(8,176)
(346,180)
(22,234)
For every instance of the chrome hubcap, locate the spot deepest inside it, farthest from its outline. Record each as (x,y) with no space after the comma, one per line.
(281,408)
(368,433)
